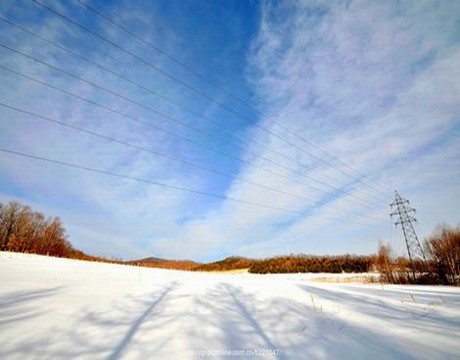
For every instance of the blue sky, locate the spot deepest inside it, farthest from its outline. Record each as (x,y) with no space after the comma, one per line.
(308,113)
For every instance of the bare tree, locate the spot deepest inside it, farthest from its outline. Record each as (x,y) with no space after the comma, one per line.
(443,246)
(8,219)
(385,263)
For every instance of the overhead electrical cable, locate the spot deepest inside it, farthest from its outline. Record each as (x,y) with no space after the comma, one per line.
(147,89)
(170,118)
(156,183)
(147,181)
(218,86)
(190,87)
(169,157)
(148,150)
(139,121)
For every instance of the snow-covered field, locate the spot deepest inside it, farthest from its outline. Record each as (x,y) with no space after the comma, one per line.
(57,308)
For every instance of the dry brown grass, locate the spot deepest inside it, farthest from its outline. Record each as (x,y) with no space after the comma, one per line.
(235,271)
(169,264)
(361,279)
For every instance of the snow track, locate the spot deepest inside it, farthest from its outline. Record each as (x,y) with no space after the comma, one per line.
(58,308)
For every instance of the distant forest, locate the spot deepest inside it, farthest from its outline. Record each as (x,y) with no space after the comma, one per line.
(294,264)
(27,231)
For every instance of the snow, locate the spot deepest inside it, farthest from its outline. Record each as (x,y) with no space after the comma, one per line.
(59,308)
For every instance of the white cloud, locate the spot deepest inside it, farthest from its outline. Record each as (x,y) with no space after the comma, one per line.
(376,85)
(372,85)
(105,215)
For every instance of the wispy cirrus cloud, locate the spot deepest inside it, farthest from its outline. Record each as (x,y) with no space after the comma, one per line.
(104,215)
(374,85)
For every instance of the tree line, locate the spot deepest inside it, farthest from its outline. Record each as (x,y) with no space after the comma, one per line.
(313,264)
(28,231)
(293,264)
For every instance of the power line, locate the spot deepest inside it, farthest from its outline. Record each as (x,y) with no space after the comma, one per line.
(126,116)
(190,87)
(147,181)
(215,84)
(149,90)
(145,149)
(165,54)
(174,78)
(169,157)
(113,93)
(156,183)
(166,116)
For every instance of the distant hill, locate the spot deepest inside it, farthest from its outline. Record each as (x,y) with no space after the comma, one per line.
(165,264)
(227,264)
(149,260)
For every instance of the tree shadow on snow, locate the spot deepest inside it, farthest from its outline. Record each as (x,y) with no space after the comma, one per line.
(249,321)
(16,306)
(381,334)
(127,338)
(120,324)
(95,333)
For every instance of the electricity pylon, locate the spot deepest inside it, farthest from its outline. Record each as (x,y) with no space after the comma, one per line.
(403,211)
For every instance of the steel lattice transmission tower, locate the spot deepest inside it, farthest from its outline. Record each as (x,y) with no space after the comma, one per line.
(403,210)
